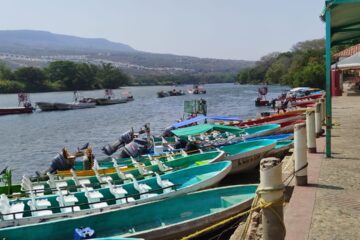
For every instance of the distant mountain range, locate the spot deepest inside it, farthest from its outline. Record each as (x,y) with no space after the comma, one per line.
(38,48)
(25,39)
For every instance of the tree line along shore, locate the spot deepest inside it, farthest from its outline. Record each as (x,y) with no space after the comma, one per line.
(304,65)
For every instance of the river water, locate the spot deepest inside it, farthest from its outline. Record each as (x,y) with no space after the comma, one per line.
(28,142)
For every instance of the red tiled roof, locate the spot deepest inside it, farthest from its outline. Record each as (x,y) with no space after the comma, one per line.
(348,52)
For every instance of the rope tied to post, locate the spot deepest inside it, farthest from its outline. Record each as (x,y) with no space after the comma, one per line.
(259,204)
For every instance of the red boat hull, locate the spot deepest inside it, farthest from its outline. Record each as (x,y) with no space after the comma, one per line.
(277,118)
(15,110)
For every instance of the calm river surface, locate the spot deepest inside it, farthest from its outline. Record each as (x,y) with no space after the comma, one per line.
(29,141)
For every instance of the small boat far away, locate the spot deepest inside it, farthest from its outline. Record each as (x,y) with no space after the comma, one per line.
(170,93)
(261,99)
(197,89)
(79,103)
(24,106)
(110,98)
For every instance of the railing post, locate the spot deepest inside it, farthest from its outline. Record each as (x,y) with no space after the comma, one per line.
(310,130)
(300,154)
(271,190)
(318,125)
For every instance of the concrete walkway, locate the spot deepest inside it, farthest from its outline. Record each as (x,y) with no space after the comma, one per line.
(329,208)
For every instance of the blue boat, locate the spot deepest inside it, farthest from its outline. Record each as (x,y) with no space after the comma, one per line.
(88,201)
(168,219)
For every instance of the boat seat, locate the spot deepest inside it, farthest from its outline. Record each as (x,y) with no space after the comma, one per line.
(6,207)
(39,204)
(169,157)
(143,189)
(94,196)
(101,179)
(152,160)
(67,201)
(141,168)
(123,176)
(162,166)
(118,192)
(27,185)
(164,184)
(55,184)
(80,182)
(183,153)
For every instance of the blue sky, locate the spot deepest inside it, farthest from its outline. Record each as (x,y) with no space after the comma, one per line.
(229,29)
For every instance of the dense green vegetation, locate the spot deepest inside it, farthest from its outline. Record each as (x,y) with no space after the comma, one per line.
(59,76)
(304,65)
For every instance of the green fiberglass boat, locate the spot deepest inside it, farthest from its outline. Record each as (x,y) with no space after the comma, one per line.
(281,149)
(167,219)
(118,176)
(247,155)
(36,209)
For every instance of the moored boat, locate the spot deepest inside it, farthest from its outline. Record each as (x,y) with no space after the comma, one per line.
(46,106)
(15,110)
(247,155)
(74,105)
(24,106)
(41,209)
(149,164)
(109,99)
(281,149)
(168,219)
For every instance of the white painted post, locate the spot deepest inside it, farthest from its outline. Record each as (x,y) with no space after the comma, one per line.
(271,189)
(318,125)
(300,154)
(310,130)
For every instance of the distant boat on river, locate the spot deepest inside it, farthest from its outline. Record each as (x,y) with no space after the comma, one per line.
(24,106)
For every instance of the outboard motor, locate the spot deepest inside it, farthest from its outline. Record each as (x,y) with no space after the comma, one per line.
(167,132)
(135,148)
(191,147)
(180,144)
(125,138)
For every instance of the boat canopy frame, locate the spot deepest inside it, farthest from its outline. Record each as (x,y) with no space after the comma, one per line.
(342,25)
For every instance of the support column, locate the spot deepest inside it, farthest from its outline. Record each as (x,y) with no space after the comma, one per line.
(300,154)
(310,130)
(271,189)
(328,79)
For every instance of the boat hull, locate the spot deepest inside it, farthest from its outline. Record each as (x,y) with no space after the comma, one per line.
(105,101)
(190,180)
(168,219)
(15,110)
(245,161)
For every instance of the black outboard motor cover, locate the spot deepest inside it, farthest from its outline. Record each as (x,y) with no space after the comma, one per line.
(135,148)
(180,144)
(125,138)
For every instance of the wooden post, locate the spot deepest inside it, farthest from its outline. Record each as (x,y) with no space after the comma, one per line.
(271,189)
(310,130)
(318,128)
(300,154)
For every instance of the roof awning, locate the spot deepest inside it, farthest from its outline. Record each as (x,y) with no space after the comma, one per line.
(345,21)
(352,62)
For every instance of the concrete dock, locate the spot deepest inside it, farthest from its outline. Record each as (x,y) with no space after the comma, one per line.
(329,207)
